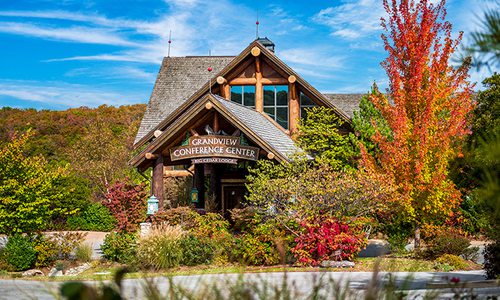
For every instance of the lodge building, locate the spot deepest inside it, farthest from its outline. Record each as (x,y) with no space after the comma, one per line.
(211,117)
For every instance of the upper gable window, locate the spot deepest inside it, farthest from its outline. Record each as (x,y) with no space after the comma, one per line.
(243,94)
(305,102)
(276,103)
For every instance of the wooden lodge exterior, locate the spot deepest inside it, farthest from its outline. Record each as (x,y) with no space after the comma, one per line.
(211,117)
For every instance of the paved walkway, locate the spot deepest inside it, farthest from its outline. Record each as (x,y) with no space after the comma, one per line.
(301,281)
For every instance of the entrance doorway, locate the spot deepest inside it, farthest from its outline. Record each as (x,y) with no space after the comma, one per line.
(233,196)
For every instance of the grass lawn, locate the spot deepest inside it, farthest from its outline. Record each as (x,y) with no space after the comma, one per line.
(105,270)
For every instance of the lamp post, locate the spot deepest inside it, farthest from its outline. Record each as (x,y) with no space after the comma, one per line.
(152,206)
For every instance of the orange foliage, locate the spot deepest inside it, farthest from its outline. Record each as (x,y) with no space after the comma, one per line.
(426,107)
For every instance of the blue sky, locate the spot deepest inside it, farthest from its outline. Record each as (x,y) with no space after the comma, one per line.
(69,53)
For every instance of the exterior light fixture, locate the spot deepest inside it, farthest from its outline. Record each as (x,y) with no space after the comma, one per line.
(194,195)
(152,205)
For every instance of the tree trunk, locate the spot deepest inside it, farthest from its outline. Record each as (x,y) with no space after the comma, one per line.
(417,237)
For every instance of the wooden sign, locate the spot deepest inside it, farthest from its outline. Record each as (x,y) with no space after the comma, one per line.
(214,160)
(210,146)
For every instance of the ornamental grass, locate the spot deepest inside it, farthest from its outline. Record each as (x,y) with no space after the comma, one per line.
(161,248)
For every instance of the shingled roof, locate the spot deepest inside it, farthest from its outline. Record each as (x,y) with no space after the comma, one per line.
(261,127)
(348,103)
(181,77)
(263,131)
(178,79)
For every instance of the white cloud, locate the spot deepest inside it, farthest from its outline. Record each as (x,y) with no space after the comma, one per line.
(362,86)
(120,72)
(353,19)
(71,34)
(141,40)
(321,58)
(65,94)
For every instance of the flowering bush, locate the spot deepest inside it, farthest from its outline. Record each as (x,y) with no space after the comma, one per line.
(326,238)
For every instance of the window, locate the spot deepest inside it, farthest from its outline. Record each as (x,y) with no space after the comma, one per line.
(305,102)
(243,94)
(276,103)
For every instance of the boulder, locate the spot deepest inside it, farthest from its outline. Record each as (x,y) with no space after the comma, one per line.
(55,272)
(78,270)
(33,272)
(3,241)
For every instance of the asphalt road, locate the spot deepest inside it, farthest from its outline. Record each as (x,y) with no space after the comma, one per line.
(302,283)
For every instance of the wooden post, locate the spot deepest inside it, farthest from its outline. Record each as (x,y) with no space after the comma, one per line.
(259,100)
(294,108)
(216,122)
(157,181)
(227,91)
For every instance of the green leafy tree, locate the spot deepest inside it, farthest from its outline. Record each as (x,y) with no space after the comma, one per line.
(299,190)
(324,135)
(367,121)
(29,186)
(469,170)
(100,156)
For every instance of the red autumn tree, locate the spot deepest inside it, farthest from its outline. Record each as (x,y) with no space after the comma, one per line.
(127,202)
(426,107)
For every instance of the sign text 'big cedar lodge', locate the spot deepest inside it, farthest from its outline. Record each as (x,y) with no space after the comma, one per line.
(212,148)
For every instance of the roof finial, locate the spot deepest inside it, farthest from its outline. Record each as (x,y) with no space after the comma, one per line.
(169,42)
(257,26)
(209,69)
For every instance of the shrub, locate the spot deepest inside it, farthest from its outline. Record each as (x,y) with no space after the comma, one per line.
(264,244)
(326,238)
(95,217)
(19,252)
(4,265)
(196,251)
(46,251)
(492,260)
(184,216)
(242,218)
(211,225)
(66,243)
(127,202)
(161,248)
(83,252)
(119,247)
(446,242)
(450,262)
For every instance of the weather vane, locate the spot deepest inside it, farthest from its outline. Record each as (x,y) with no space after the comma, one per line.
(209,69)
(257,26)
